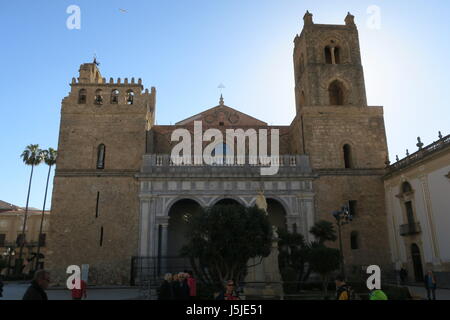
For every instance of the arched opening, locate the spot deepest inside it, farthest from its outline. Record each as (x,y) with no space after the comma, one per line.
(82,94)
(354,241)
(277,214)
(115,96)
(130,97)
(336,93)
(98,97)
(348,159)
(337,55)
(101,150)
(328,55)
(417,262)
(406,187)
(178,228)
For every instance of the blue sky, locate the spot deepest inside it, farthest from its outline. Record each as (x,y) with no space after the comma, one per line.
(187,48)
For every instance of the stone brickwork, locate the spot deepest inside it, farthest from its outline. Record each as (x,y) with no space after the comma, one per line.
(96,211)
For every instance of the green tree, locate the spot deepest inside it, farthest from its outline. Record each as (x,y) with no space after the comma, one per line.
(324,261)
(31,156)
(323,231)
(222,239)
(49,157)
(293,252)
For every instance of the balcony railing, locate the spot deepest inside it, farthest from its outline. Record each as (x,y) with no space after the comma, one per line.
(410,229)
(162,163)
(422,153)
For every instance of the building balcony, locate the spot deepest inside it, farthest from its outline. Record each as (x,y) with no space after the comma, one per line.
(163,165)
(410,229)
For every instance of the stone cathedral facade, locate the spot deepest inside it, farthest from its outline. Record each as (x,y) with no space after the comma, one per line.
(118,195)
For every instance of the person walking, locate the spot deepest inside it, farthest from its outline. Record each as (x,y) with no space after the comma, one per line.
(184,287)
(1,286)
(403,275)
(192,284)
(343,290)
(36,291)
(229,293)
(79,294)
(430,284)
(166,288)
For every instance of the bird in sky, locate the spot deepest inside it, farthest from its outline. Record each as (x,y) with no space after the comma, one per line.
(123,10)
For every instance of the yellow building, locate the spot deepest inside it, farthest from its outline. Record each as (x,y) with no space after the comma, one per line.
(11,225)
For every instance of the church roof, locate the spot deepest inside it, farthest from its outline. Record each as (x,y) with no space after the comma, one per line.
(223,115)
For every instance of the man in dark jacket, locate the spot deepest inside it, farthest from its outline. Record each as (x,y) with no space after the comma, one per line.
(430,284)
(36,291)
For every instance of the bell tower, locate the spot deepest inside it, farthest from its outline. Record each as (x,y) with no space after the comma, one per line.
(327,64)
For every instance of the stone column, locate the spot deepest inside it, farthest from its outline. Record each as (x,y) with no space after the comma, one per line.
(333,58)
(164,246)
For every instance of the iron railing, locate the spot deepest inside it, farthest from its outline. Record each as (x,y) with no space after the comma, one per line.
(410,229)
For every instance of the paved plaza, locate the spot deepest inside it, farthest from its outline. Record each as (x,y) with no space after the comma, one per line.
(15,291)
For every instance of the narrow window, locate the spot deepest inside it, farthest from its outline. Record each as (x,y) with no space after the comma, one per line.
(101,236)
(82,96)
(115,96)
(42,238)
(96,206)
(130,97)
(348,162)
(328,58)
(98,97)
(352,208)
(336,93)
(101,156)
(2,239)
(354,240)
(409,213)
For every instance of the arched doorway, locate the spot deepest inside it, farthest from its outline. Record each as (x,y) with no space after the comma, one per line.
(277,214)
(178,227)
(417,262)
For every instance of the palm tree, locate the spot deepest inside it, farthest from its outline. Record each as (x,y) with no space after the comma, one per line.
(31,156)
(323,231)
(50,156)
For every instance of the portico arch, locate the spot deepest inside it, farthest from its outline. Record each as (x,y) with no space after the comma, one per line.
(178,228)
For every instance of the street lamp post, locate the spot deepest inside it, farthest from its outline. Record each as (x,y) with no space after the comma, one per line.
(342,217)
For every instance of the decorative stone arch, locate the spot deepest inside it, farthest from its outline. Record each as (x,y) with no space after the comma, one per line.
(345,87)
(173,201)
(240,200)
(276,198)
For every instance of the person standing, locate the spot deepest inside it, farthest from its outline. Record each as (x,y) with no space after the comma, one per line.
(229,293)
(377,294)
(184,287)
(192,284)
(1,286)
(166,288)
(79,294)
(36,291)
(343,291)
(430,284)
(403,275)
